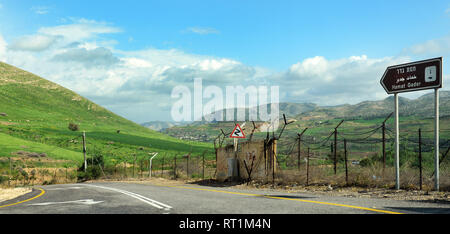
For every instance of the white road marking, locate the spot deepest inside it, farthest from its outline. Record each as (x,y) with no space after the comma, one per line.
(82,202)
(147,200)
(65,188)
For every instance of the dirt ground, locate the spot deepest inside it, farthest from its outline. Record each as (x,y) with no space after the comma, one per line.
(8,194)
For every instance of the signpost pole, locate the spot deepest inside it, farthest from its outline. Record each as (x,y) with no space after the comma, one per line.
(436,139)
(420,75)
(397,145)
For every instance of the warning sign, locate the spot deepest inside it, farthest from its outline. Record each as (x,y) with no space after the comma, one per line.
(237,132)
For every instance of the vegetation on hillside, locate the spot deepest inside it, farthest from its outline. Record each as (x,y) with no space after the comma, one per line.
(36,113)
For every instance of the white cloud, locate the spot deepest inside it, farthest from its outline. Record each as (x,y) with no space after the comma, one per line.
(203,30)
(3,47)
(129,83)
(435,47)
(40,10)
(32,43)
(136,63)
(90,58)
(332,82)
(81,29)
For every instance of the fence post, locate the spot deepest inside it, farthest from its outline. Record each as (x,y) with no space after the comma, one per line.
(84,150)
(335,146)
(187,166)
(384,145)
(345,158)
(334,151)
(140,168)
(420,159)
(384,140)
(10,172)
(149,168)
(299,147)
(299,153)
(175,167)
(203,165)
(274,158)
(125,169)
(307,168)
(162,173)
(134,164)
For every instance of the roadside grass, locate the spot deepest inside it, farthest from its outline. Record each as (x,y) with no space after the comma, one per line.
(10,145)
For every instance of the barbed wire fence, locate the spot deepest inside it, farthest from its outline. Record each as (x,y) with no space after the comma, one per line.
(361,161)
(305,160)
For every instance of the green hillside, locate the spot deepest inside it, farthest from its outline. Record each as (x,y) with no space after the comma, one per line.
(35,114)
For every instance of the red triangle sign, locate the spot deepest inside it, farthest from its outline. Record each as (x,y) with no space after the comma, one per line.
(237,132)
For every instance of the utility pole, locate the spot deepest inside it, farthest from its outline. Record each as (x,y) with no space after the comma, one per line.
(335,145)
(384,140)
(299,147)
(84,150)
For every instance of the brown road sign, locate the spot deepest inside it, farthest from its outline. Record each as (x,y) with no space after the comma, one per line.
(426,74)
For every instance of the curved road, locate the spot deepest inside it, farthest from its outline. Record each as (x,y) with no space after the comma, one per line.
(130,198)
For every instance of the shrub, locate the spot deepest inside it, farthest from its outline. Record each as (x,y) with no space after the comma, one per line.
(3,179)
(93,171)
(73,127)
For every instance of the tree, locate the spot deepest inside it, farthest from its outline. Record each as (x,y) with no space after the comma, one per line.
(73,127)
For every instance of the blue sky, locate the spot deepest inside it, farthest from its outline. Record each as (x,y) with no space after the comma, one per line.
(271,38)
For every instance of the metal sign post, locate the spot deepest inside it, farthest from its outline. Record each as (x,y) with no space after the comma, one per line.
(397,145)
(150,164)
(436,139)
(421,75)
(236,134)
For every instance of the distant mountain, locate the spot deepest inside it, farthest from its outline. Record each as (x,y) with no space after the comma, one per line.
(309,114)
(161,125)
(288,108)
(422,106)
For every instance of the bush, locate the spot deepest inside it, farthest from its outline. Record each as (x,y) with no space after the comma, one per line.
(3,179)
(93,171)
(73,127)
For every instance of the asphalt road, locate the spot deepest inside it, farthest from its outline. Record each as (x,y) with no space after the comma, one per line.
(129,198)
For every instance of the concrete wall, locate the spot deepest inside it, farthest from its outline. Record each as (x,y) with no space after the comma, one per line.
(255,152)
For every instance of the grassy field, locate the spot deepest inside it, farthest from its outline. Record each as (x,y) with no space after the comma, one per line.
(35,114)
